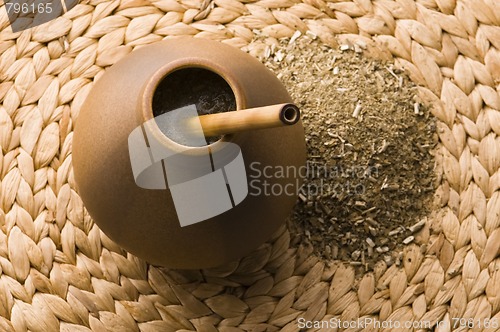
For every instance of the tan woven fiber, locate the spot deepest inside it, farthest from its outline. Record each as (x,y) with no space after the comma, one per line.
(60,272)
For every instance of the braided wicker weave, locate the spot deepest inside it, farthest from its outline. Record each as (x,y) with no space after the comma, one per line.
(60,272)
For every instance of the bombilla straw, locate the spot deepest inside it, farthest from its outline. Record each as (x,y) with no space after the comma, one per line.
(278,115)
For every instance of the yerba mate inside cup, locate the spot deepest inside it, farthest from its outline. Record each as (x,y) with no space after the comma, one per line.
(201,88)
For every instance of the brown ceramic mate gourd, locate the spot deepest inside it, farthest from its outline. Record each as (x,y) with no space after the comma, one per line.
(145,222)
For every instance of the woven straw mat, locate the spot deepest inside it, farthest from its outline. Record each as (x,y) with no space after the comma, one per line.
(60,272)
